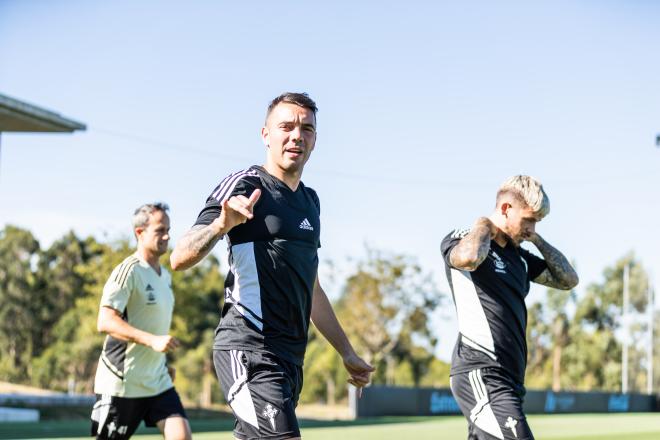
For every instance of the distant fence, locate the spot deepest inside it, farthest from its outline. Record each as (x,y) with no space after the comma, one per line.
(27,408)
(18,415)
(399,401)
(60,400)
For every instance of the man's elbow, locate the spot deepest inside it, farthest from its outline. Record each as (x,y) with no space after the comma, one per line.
(176,263)
(572,282)
(464,259)
(101,326)
(466,264)
(568,283)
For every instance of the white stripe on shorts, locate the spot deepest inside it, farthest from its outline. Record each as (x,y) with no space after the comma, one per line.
(482,414)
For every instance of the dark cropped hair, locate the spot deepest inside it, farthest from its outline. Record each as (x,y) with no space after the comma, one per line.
(300,99)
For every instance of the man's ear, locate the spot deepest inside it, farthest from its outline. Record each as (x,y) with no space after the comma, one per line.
(264,136)
(504,208)
(138,232)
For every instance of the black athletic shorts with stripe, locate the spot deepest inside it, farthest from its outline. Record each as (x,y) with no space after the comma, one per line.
(117,418)
(492,403)
(262,391)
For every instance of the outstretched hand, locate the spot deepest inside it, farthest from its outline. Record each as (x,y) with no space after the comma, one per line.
(358,369)
(239,209)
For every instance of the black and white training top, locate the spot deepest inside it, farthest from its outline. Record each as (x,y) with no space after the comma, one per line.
(273,261)
(490,304)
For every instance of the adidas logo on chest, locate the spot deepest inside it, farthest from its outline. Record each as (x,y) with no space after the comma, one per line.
(305,224)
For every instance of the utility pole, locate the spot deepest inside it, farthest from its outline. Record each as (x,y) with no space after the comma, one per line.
(625,316)
(649,352)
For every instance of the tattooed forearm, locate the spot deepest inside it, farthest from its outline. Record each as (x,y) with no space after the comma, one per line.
(559,274)
(473,249)
(194,246)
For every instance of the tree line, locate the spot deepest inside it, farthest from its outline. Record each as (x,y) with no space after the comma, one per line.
(49,301)
(576,343)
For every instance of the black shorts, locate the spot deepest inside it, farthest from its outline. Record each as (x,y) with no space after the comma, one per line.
(262,391)
(118,417)
(492,404)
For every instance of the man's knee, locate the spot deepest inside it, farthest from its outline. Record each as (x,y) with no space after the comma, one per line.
(175,428)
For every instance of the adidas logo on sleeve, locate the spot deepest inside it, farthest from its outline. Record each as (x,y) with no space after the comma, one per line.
(305,224)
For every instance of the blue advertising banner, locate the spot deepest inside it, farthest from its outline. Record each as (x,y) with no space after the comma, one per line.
(400,401)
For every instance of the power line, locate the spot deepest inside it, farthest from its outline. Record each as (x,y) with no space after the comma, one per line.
(168,145)
(381,178)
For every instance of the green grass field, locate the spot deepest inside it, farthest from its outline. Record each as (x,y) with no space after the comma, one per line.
(564,427)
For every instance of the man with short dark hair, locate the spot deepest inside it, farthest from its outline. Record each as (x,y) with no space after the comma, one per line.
(272,223)
(133,382)
(489,275)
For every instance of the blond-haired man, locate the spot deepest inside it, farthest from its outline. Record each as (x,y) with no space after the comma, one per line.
(490,274)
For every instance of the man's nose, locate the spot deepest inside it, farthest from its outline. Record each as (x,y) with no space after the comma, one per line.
(296,134)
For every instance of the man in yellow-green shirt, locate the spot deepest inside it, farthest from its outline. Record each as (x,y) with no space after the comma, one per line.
(133,382)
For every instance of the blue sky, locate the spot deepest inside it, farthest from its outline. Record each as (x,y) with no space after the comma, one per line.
(425,108)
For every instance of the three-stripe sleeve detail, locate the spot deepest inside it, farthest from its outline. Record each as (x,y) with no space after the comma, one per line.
(124,270)
(224,190)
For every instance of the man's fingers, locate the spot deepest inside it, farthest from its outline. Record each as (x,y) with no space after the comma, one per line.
(244,200)
(254,197)
(362,367)
(359,379)
(362,377)
(368,368)
(237,205)
(172,344)
(242,205)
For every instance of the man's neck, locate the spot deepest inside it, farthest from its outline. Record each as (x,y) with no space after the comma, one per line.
(292,180)
(152,259)
(500,238)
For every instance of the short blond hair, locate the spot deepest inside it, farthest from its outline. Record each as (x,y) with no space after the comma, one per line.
(527,190)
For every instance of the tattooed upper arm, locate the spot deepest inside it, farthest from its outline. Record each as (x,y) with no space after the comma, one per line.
(472,250)
(193,246)
(193,229)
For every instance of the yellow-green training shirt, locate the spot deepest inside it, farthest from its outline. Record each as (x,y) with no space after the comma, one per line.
(145,300)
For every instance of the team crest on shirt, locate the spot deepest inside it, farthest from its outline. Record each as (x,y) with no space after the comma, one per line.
(500,265)
(151,298)
(270,412)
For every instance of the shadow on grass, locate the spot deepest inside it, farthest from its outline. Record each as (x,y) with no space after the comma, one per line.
(224,422)
(311,423)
